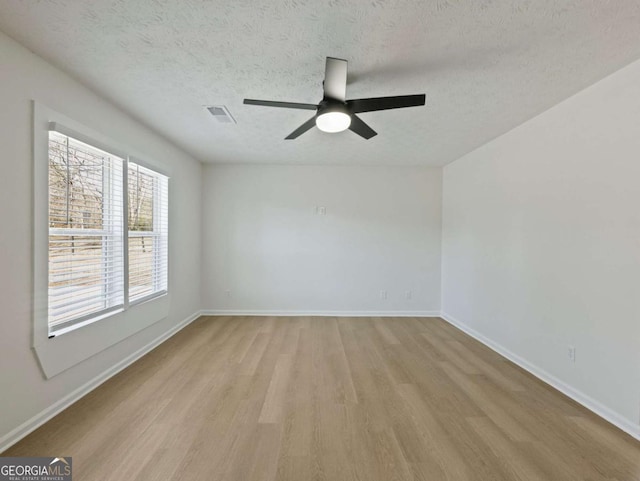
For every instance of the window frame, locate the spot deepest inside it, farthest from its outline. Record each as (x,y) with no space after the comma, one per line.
(77,343)
(156,235)
(107,182)
(126,233)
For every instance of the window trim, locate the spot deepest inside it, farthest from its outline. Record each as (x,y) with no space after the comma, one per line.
(58,353)
(97,144)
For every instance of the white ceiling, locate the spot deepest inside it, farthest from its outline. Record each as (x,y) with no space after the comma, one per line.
(486,66)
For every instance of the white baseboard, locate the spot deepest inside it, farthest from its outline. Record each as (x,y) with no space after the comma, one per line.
(39,419)
(242,312)
(591,404)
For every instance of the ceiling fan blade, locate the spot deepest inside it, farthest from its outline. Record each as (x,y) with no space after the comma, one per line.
(335,79)
(361,128)
(386,103)
(285,105)
(302,129)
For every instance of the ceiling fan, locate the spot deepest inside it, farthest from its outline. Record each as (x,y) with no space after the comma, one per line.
(334,113)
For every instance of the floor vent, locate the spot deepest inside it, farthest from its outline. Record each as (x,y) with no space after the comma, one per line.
(221,113)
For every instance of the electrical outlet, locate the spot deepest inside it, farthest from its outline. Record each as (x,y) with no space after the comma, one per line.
(227,293)
(383,295)
(407,295)
(571,353)
(321,210)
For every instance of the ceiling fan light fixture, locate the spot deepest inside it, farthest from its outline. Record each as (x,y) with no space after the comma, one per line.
(333,121)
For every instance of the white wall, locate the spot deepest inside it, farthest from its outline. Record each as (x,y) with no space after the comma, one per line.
(264,242)
(24,77)
(541,243)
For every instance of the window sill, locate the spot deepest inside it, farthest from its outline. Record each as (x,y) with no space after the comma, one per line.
(86,322)
(74,345)
(64,330)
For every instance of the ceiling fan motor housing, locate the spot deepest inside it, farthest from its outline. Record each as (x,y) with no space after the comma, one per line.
(332,105)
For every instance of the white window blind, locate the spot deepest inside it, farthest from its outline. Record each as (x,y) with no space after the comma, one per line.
(86,232)
(104,253)
(148,232)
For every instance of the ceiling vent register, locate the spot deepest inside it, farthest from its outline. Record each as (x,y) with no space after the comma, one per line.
(221,113)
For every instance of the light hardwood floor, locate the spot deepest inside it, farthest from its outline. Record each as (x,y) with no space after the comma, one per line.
(299,398)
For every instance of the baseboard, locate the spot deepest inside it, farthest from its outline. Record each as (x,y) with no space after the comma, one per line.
(591,404)
(242,312)
(39,419)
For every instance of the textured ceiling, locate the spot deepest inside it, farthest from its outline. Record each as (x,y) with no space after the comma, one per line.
(486,66)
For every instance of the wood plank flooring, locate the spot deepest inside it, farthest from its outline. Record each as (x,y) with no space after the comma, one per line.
(354,399)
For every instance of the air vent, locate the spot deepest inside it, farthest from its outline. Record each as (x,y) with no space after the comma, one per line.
(221,113)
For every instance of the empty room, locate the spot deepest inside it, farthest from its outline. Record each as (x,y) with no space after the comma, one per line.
(344,240)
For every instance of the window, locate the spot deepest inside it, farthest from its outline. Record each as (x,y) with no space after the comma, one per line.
(147,192)
(90,274)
